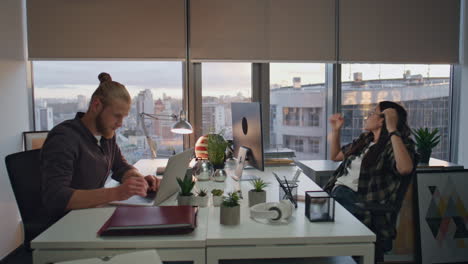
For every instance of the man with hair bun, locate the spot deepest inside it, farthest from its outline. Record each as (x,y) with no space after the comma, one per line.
(79,154)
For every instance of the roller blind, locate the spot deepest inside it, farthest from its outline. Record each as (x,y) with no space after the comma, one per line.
(106,29)
(262,30)
(399,31)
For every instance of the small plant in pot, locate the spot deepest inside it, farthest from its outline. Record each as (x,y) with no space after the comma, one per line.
(257,194)
(186,185)
(202,198)
(425,141)
(217,150)
(230,210)
(217,196)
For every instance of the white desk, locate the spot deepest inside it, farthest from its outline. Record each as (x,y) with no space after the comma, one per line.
(74,236)
(320,171)
(298,239)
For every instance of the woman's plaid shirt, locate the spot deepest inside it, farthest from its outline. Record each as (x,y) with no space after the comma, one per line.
(378,183)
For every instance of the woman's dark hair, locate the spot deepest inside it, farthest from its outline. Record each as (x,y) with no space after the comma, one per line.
(373,153)
(402,125)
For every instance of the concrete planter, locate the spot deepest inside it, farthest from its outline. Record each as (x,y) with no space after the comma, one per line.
(217,200)
(256,197)
(230,215)
(185,200)
(201,201)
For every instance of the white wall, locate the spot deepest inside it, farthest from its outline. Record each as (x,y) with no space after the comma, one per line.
(14,114)
(463,129)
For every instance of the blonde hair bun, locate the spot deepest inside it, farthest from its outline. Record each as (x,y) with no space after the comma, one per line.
(104,77)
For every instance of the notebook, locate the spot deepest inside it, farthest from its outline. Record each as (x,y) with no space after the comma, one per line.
(154,220)
(176,167)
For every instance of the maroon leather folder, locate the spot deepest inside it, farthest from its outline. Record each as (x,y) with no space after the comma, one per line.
(151,220)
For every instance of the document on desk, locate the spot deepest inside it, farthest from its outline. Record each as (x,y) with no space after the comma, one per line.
(155,220)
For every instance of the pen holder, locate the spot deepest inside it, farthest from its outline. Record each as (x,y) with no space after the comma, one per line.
(319,206)
(284,192)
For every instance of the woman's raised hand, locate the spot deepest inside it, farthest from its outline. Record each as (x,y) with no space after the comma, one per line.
(336,121)
(391,119)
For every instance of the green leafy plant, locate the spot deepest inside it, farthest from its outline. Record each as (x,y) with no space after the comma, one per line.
(425,141)
(186,185)
(259,185)
(231,200)
(216,149)
(217,192)
(202,193)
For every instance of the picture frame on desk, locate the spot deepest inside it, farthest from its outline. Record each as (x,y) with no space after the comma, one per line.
(34,139)
(441,216)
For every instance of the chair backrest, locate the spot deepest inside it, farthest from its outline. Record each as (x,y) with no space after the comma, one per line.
(401,193)
(24,172)
(34,139)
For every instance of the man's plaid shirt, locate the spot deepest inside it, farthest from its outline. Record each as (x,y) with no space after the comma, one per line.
(378,183)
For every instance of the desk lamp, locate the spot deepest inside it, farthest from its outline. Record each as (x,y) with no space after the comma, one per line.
(182,126)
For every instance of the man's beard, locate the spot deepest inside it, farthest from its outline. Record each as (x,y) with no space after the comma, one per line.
(105,132)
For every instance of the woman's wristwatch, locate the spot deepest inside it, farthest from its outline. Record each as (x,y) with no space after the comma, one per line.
(396,133)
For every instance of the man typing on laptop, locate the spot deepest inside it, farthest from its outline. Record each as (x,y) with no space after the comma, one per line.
(79,154)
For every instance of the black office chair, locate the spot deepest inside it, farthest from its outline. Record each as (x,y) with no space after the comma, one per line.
(24,172)
(380,210)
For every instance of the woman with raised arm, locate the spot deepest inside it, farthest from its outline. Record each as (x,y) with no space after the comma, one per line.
(373,164)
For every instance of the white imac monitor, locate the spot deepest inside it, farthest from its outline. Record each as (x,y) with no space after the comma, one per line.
(247,137)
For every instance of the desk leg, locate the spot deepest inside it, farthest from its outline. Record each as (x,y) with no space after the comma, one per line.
(367,258)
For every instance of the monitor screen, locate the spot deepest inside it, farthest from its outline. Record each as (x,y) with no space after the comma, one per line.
(247,131)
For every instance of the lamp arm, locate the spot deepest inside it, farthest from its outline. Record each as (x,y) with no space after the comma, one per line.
(159,116)
(152,145)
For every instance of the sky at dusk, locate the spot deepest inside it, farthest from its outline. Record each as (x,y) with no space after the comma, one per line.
(67,79)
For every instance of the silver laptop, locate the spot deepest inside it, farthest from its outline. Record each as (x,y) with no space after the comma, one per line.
(176,168)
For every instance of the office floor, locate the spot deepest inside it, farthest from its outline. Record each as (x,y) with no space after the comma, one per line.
(19,256)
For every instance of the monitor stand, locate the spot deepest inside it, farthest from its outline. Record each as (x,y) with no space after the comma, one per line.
(238,173)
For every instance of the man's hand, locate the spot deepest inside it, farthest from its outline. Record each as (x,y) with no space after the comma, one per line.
(336,122)
(132,186)
(391,119)
(153,182)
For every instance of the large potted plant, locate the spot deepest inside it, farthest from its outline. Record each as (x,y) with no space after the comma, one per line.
(425,141)
(185,196)
(217,150)
(257,194)
(230,210)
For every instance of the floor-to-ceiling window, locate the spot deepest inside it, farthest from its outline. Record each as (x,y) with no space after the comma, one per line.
(222,84)
(424,90)
(298,99)
(62,88)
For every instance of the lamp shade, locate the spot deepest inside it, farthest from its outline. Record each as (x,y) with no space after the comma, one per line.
(182,127)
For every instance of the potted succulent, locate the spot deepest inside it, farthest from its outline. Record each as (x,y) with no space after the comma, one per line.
(185,196)
(217,150)
(257,194)
(202,198)
(425,141)
(217,196)
(230,210)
